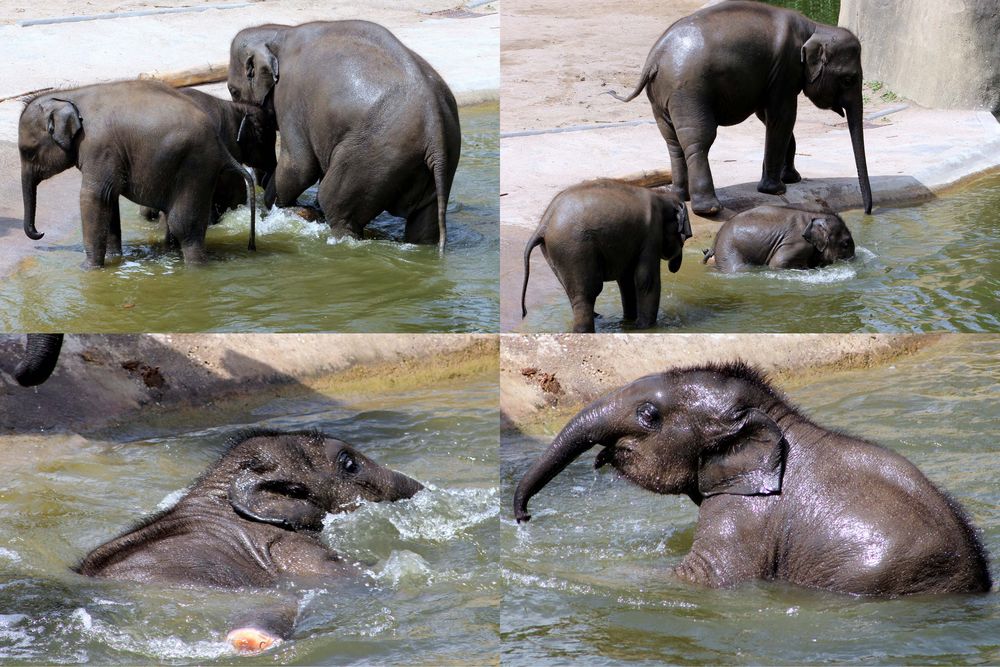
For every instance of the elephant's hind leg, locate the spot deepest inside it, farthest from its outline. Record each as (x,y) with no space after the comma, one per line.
(187,222)
(696,134)
(678,165)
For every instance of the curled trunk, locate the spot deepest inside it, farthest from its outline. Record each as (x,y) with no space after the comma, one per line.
(41,355)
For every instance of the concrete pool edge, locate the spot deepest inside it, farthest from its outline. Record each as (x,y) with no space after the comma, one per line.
(545,378)
(126,381)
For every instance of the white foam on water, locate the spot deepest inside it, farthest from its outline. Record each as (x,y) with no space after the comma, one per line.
(835,273)
(159,648)
(403,566)
(441,515)
(275,221)
(7,554)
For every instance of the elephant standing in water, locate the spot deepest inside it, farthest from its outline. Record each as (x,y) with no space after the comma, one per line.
(358,111)
(725,62)
(779,496)
(141,140)
(253,521)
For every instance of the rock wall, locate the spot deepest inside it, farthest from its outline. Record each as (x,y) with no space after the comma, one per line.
(939,53)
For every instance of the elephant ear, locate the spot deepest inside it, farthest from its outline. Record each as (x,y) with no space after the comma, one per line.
(814,56)
(817,233)
(684,230)
(748,461)
(279,502)
(261,68)
(64,123)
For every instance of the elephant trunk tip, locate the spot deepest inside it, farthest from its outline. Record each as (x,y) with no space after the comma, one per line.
(33,235)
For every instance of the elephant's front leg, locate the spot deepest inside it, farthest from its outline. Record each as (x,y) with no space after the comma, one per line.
(647,289)
(779,121)
(115,230)
(96,216)
(297,170)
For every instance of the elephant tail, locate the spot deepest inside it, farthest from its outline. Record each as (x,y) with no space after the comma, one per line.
(536,240)
(648,73)
(251,197)
(40,357)
(709,254)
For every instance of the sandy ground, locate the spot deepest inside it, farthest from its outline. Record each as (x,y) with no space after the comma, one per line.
(102,381)
(558,128)
(545,377)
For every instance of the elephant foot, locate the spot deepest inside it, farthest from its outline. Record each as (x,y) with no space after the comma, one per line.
(771,187)
(251,640)
(706,206)
(790,175)
(642,323)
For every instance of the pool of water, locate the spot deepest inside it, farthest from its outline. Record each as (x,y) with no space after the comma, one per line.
(822,11)
(432,589)
(587,579)
(300,279)
(932,267)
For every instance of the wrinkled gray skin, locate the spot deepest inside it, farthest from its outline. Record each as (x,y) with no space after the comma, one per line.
(40,356)
(608,230)
(779,497)
(253,520)
(141,140)
(781,238)
(361,113)
(250,136)
(725,62)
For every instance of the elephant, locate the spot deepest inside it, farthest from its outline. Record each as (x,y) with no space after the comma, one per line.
(725,62)
(781,237)
(779,496)
(138,139)
(40,357)
(605,230)
(250,136)
(358,111)
(253,521)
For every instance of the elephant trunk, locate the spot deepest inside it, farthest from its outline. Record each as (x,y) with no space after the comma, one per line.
(855,123)
(41,355)
(402,487)
(589,427)
(29,188)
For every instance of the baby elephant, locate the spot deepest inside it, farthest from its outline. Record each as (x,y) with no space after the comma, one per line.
(607,230)
(253,521)
(781,238)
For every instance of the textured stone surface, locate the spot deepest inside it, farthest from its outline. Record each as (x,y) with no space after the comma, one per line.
(939,53)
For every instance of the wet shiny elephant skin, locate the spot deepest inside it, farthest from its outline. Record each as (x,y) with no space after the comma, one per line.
(733,59)
(780,497)
(361,113)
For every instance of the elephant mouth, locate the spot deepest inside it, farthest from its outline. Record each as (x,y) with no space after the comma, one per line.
(604,457)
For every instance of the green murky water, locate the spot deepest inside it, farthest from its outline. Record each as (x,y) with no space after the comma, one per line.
(932,267)
(822,11)
(432,590)
(298,280)
(587,580)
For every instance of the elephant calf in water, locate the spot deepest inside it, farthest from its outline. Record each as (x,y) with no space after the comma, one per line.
(608,230)
(252,521)
(779,496)
(781,237)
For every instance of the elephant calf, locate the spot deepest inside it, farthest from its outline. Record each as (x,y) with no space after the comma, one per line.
(252,521)
(779,496)
(608,230)
(781,238)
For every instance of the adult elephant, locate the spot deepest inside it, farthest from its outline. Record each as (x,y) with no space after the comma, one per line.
(725,62)
(358,111)
(253,521)
(40,356)
(779,496)
(142,140)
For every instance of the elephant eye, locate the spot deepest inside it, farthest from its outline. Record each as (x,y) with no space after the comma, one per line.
(649,416)
(848,80)
(347,463)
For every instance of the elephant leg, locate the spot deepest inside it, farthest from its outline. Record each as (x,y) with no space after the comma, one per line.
(188,222)
(297,170)
(647,288)
(626,286)
(678,165)
(260,628)
(230,192)
(96,216)
(348,199)
(583,285)
(778,123)
(696,138)
(422,226)
(115,230)
(789,174)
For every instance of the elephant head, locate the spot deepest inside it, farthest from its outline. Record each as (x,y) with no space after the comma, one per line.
(831,61)
(253,63)
(700,432)
(292,480)
(676,230)
(831,238)
(40,357)
(48,139)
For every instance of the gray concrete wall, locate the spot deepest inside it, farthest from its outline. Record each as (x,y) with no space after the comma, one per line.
(939,53)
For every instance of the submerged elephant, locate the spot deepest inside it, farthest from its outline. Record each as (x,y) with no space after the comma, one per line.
(141,140)
(608,230)
(249,134)
(780,497)
(781,238)
(361,113)
(252,521)
(725,62)
(40,356)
